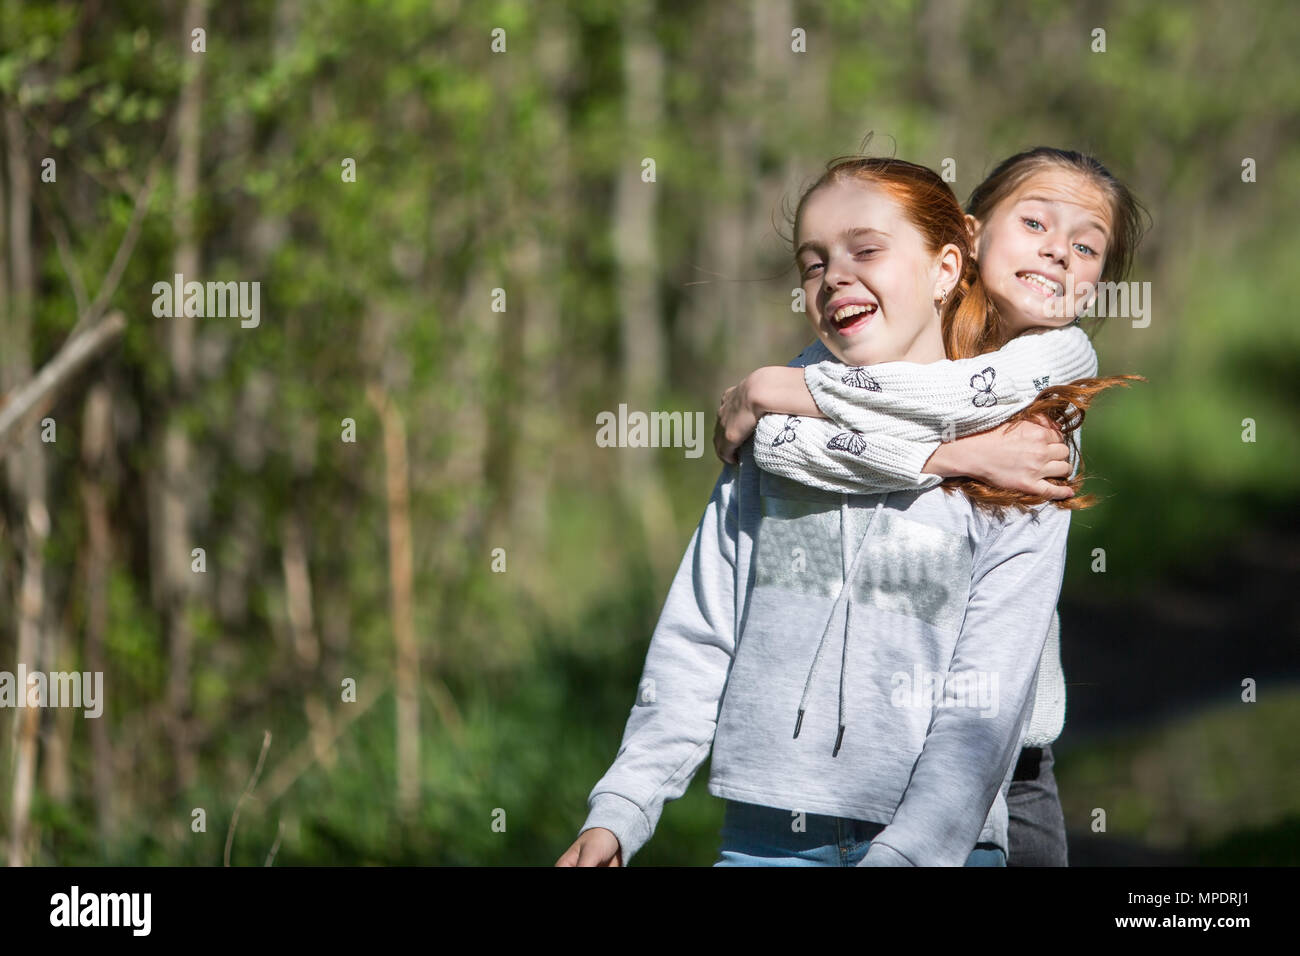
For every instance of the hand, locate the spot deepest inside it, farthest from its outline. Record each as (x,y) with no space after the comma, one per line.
(594,847)
(1020,456)
(737,419)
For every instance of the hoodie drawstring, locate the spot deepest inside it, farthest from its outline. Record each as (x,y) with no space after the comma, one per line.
(841,597)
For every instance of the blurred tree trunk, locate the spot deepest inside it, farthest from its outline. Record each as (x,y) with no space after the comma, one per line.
(643,351)
(175,493)
(536,264)
(717,307)
(306,645)
(269,232)
(96,443)
(775,68)
(27,478)
(407,664)
(56,729)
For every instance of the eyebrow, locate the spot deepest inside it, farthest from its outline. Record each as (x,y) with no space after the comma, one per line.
(1046,199)
(846,234)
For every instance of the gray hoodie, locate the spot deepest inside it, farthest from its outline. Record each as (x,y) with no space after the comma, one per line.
(899,412)
(863,656)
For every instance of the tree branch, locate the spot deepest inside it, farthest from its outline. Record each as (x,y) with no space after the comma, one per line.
(252,782)
(66,257)
(124,250)
(40,388)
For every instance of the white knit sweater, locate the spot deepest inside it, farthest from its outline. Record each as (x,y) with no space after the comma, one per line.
(886,420)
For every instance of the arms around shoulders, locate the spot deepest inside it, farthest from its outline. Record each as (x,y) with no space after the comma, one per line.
(885,421)
(973,394)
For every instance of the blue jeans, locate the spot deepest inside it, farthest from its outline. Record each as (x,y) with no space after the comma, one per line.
(763,836)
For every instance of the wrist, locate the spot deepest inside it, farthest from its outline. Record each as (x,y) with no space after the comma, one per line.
(947,461)
(780,390)
(757,393)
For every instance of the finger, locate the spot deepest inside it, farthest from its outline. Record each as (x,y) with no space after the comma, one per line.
(1044,427)
(589,856)
(1050,425)
(1032,428)
(1055,492)
(1057,469)
(1058,450)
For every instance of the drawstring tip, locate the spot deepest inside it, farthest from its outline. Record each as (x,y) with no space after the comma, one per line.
(797,724)
(838,738)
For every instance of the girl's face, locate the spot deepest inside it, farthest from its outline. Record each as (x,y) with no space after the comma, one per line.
(1041,250)
(871,286)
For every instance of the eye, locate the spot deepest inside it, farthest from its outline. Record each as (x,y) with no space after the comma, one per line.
(1085,250)
(867,252)
(1031,223)
(807,270)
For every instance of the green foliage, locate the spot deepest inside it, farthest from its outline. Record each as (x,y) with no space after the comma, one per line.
(477,171)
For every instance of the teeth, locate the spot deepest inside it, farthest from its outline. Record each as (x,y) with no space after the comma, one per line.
(1053,287)
(848,311)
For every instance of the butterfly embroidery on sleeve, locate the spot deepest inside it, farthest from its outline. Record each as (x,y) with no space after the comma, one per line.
(1041,383)
(982,382)
(858,377)
(851,442)
(787,432)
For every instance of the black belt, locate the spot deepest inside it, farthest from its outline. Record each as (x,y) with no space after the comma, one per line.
(1027,765)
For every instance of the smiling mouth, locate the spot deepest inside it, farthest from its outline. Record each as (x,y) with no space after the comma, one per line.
(1041,284)
(850,316)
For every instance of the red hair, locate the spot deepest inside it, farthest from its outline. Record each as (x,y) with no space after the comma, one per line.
(970,322)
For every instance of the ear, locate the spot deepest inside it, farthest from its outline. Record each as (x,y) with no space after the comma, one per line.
(973,228)
(949,272)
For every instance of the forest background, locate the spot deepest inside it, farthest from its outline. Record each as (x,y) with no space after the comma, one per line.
(358,575)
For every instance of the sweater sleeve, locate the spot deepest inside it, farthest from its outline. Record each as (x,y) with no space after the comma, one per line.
(885,421)
(970,395)
(821,453)
(671,725)
(976,731)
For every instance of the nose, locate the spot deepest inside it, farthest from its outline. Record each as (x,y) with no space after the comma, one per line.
(837,274)
(1054,248)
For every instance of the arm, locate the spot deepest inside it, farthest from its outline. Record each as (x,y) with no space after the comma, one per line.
(782,389)
(818,452)
(797,448)
(969,751)
(964,395)
(670,729)
(889,422)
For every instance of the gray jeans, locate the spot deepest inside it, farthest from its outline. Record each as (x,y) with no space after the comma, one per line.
(1036,825)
